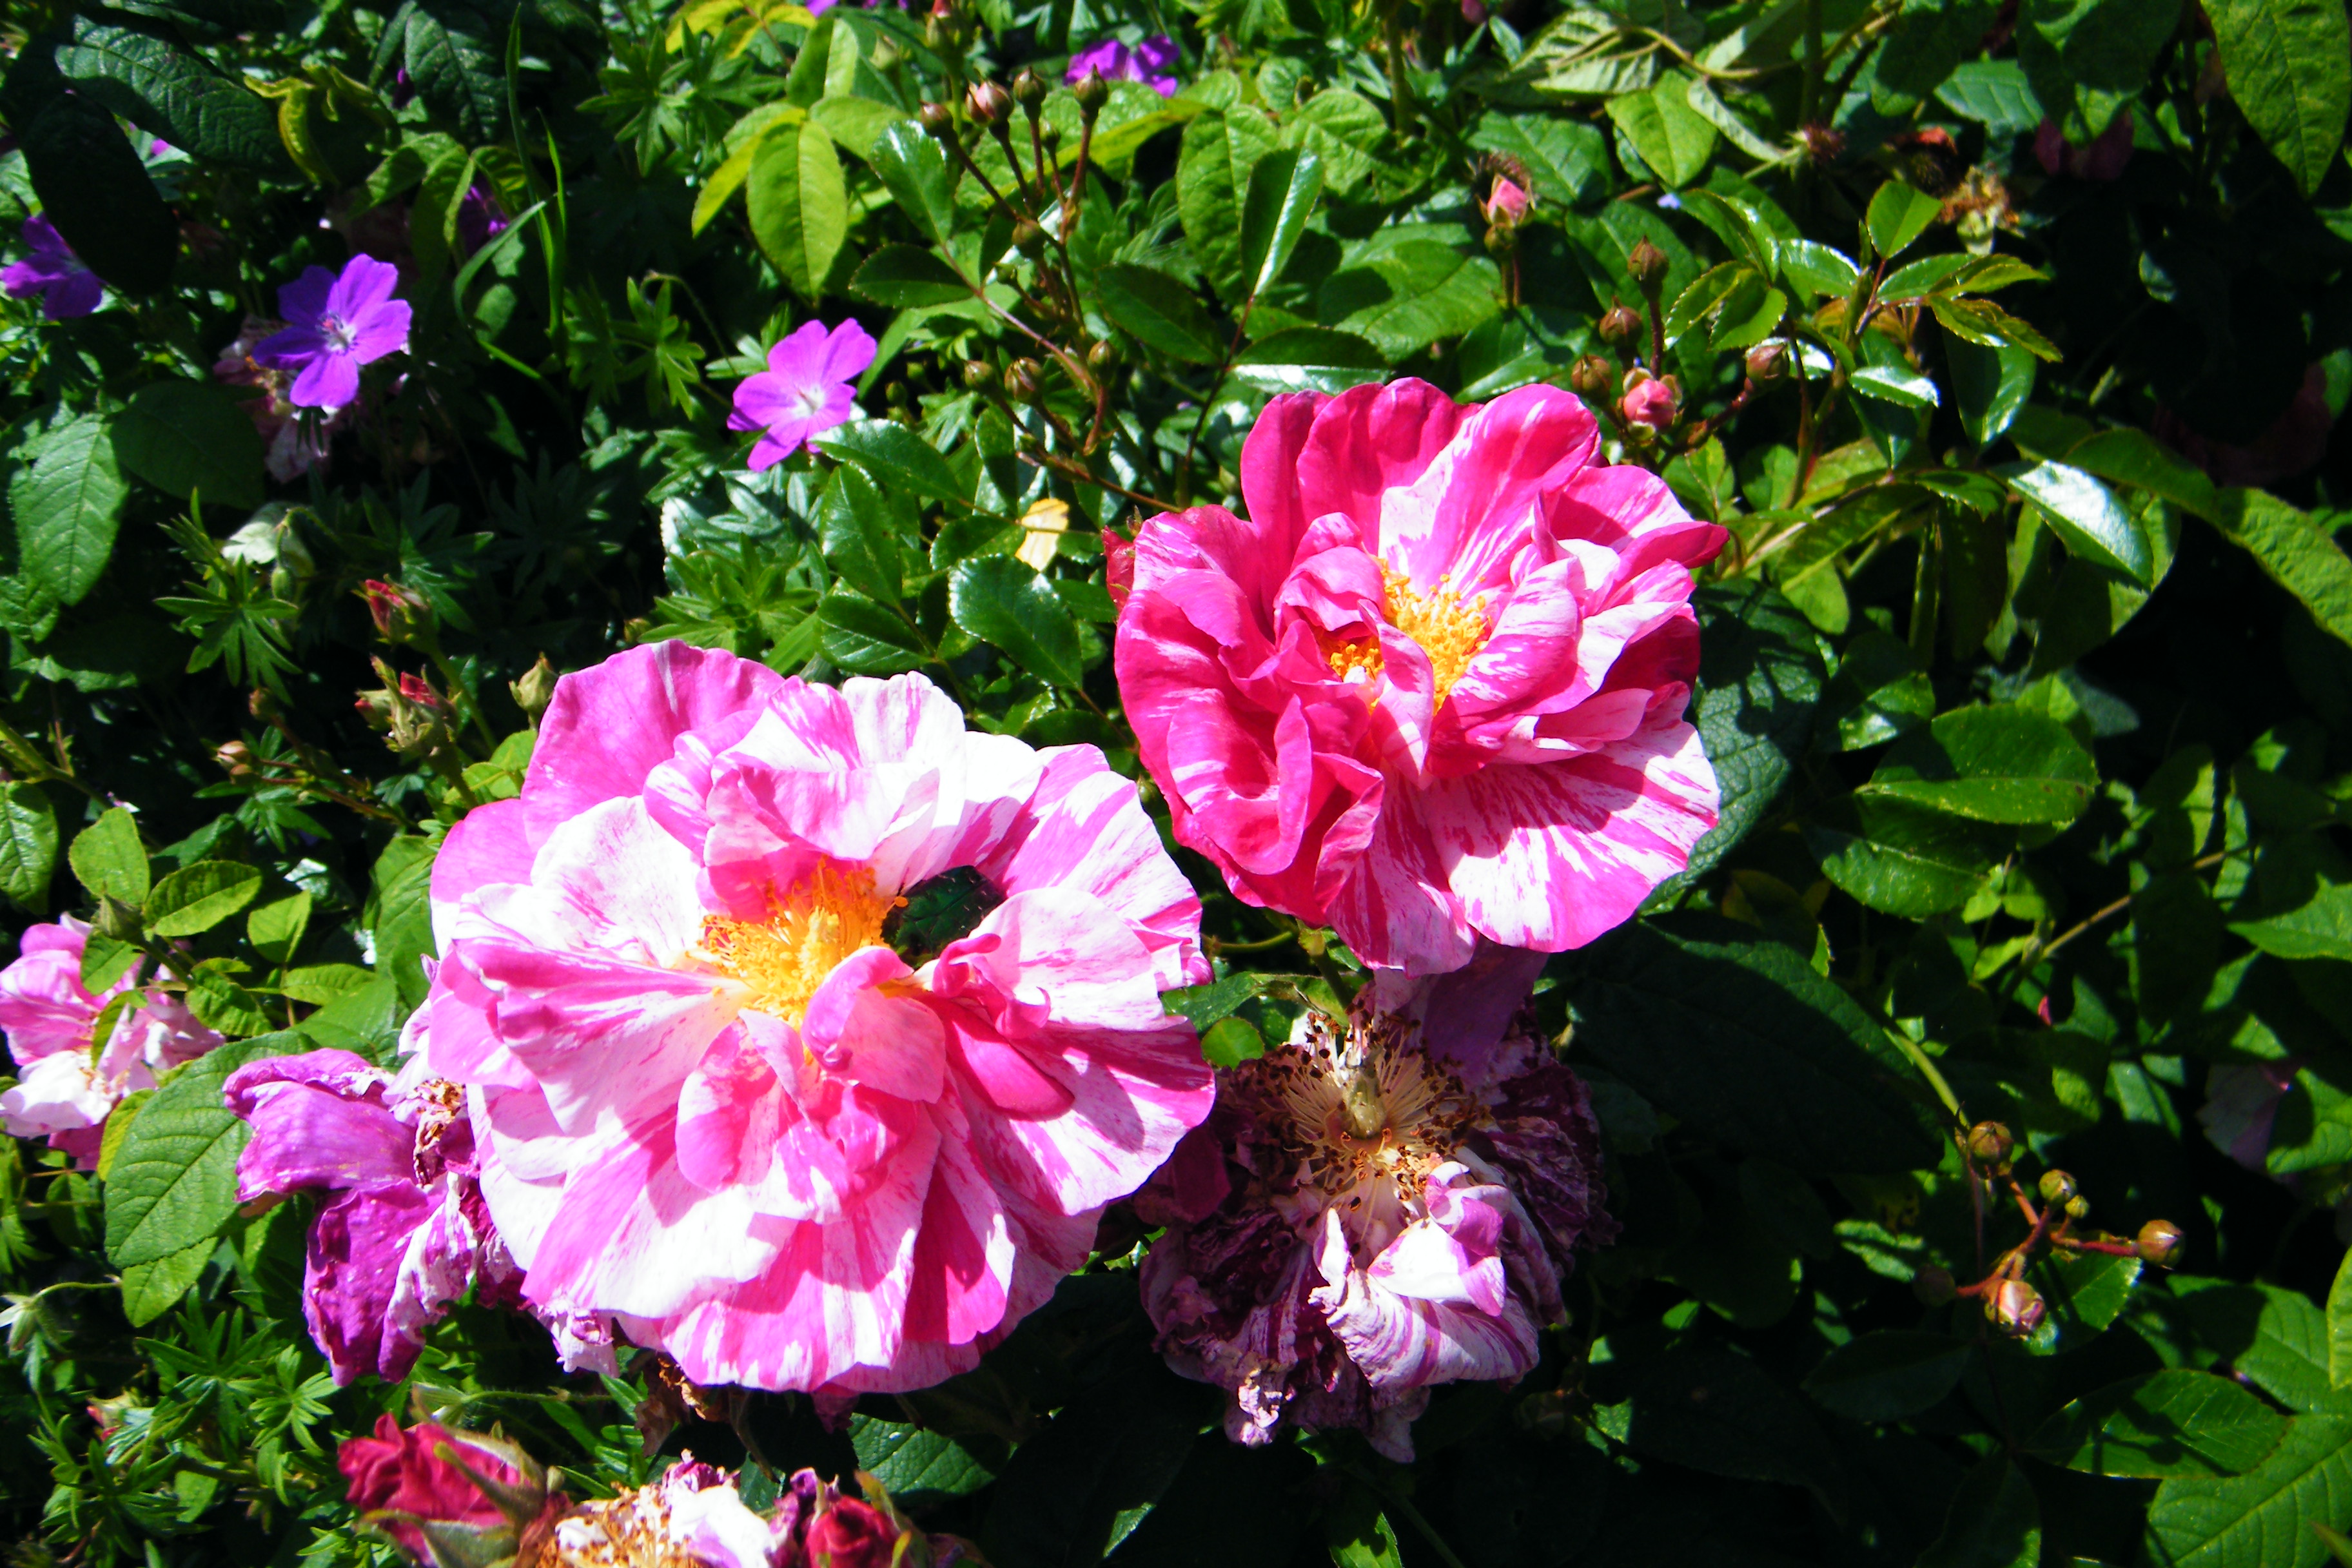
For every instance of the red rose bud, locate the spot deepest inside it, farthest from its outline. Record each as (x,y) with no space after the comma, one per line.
(850,1535)
(535,690)
(1592,375)
(1990,1143)
(1092,92)
(2015,1308)
(1768,361)
(417,689)
(398,614)
(1647,263)
(412,1474)
(1507,202)
(1649,404)
(1620,326)
(938,119)
(988,102)
(1029,89)
(2160,1241)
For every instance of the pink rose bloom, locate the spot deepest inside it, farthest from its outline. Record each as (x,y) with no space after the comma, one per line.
(804,392)
(1649,403)
(48,1015)
(806,1031)
(1400,1204)
(1432,690)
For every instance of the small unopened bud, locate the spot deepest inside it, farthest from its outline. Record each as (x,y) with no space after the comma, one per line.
(535,690)
(1029,89)
(238,757)
(1050,134)
(939,120)
(1103,355)
(1023,377)
(1592,375)
(1620,326)
(977,374)
(263,704)
(1768,361)
(2057,1186)
(1092,92)
(1649,403)
(989,103)
(939,34)
(1647,263)
(2015,1308)
(1027,237)
(1989,1142)
(400,616)
(2078,1207)
(2160,1241)
(897,395)
(1934,1284)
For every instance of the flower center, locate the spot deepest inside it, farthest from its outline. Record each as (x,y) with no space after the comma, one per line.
(825,918)
(336,333)
(1367,1107)
(1450,630)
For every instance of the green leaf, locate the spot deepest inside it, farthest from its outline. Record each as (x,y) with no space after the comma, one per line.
(119,1123)
(2262,1519)
(1734,1033)
(1898,214)
(914,167)
(1818,269)
(1229,1042)
(1159,312)
(1002,600)
(1991,384)
(187,439)
(109,859)
(1890,1375)
(1719,1412)
(1212,179)
(175,94)
(321,983)
(1904,388)
(1283,189)
(1983,322)
(399,913)
(28,846)
(921,1467)
(900,461)
(2176,1423)
(868,639)
(1994,1521)
(1410,293)
(1996,763)
(1896,857)
(105,960)
(1309,359)
(799,205)
(2297,904)
(2296,550)
(456,69)
(199,897)
(68,505)
(2094,526)
(2289,66)
(1880,692)
(174,1179)
(151,1288)
(1358,1532)
(2339,1325)
(2273,1337)
(276,929)
(1759,680)
(1674,139)
(864,534)
(905,278)
(94,188)
(222,1004)
(1566,161)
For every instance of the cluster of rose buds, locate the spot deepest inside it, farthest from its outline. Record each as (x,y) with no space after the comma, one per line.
(2011,1305)
(464,1499)
(1645,403)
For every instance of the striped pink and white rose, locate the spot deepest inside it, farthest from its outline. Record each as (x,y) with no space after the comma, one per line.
(1434,688)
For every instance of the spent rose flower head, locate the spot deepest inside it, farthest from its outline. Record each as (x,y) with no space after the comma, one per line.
(804,392)
(52,271)
(1151,62)
(63,1089)
(806,1031)
(1433,688)
(1397,1207)
(336,323)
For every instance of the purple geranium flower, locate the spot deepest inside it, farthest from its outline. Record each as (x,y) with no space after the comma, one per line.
(804,392)
(480,218)
(336,324)
(1149,62)
(53,271)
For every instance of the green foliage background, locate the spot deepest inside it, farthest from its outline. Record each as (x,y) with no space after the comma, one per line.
(2026,674)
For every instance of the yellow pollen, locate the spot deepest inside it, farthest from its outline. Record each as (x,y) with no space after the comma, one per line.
(825,918)
(1364,1107)
(1450,630)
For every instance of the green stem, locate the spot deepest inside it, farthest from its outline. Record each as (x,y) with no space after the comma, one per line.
(1412,1516)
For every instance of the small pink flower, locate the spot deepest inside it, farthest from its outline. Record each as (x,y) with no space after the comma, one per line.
(1649,401)
(729,1086)
(805,390)
(48,1015)
(336,323)
(66,288)
(1506,204)
(1434,688)
(1400,1204)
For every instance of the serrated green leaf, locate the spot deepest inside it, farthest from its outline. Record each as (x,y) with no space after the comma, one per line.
(1159,312)
(868,639)
(2176,1422)
(2262,1519)
(1674,139)
(28,846)
(1282,190)
(2088,517)
(799,205)
(905,278)
(67,504)
(914,169)
(276,929)
(94,188)
(199,897)
(865,535)
(899,460)
(321,983)
(1899,214)
(173,93)
(1212,179)
(1897,857)
(109,859)
(174,1179)
(151,1288)
(1309,359)
(188,440)
(399,913)
(1002,600)
(1994,1521)
(1995,763)
(2289,66)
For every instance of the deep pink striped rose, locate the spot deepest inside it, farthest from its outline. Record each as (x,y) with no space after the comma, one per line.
(1434,688)
(729,1088)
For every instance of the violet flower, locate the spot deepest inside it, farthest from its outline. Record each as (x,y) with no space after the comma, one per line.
(336,324)
(805,389)
(66,288)
(401,1231)
(480,218)
(1395,1208)
(1149,62)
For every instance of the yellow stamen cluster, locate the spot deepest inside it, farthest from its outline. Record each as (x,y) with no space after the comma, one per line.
(1450,630)
(631,1531)
(826,917)
(1364,1106)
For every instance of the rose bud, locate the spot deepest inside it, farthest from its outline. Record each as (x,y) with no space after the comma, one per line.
(2015,1308)
(2160,1241)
